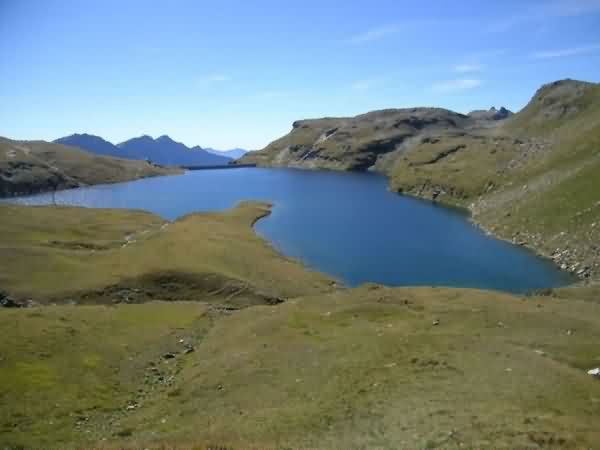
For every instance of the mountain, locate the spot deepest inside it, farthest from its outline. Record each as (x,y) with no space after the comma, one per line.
(166,151)
(28,167)
(162,150)
(91,143)
(491,114)
(234,153)
(532,177)
(356,143)
(534,180)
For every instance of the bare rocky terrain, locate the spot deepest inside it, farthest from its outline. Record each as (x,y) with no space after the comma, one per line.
(355,143)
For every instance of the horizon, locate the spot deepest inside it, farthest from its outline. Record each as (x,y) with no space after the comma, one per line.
(158,136)
(232,75)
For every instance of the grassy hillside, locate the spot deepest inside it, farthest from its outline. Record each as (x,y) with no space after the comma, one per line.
(66,254)
(535,180)
(236,367)
(28,167)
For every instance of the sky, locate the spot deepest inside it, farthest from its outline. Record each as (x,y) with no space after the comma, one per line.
(227,74)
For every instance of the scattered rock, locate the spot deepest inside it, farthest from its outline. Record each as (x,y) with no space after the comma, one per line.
(9,302)
(81,420)
(595,372)
(169,355)
(436,322)
(188,349)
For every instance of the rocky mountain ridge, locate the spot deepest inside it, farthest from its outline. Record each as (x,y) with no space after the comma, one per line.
(491,114)
(356,143)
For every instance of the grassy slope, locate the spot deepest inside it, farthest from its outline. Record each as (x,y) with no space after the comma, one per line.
(36,166)
(357,368)
(58,254)
(60,365)
(367,368)
(363,368)
(535,180)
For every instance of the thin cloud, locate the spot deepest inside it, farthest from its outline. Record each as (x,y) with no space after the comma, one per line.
(468,68)
(266,95)
(373,35)
(561,53)
(568,8)
(211,79)
(545,11)
(365,85)
(450,86)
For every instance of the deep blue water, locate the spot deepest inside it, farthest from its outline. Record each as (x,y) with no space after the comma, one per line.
(345,224)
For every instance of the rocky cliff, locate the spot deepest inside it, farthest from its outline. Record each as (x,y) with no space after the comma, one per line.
(356,143)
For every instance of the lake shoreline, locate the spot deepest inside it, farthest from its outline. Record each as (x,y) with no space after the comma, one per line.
(580,281)
(559,262)
(316,206)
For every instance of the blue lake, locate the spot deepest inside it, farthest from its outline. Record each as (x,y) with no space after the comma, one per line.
(345,224)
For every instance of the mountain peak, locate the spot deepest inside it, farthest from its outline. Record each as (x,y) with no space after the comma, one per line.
(491,114)
(162,150)
(89,142)
(559,100)
(164,138)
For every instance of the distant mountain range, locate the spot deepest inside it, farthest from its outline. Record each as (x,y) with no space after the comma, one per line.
(30,167)
(162,150)
(234,153)
(491,114)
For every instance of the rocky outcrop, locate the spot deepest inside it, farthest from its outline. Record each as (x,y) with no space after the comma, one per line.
(356,143)
(491,114)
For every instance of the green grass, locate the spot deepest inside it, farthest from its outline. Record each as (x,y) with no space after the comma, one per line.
(62,365)
(372,371)
(327,368)
(62,254)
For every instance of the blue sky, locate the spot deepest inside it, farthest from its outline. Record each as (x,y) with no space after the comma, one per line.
(238,73)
